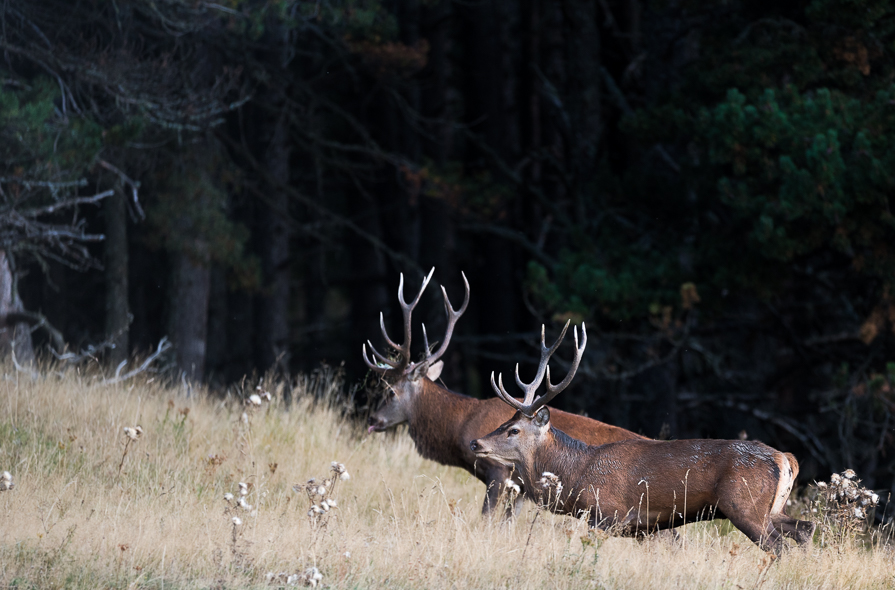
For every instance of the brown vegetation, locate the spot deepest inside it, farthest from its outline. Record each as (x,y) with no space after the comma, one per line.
(400,521)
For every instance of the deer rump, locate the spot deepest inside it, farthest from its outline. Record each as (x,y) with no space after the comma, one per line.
(647,485)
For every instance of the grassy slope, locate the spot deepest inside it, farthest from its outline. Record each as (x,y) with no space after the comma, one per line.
(73,521)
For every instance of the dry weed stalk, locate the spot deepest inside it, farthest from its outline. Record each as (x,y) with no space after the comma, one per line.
(237,505)
(130,435)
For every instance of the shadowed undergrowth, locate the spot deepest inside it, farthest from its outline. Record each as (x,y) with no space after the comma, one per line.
(93,506)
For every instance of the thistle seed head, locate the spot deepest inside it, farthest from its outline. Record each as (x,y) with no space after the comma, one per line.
(228,497)
(848,473)
(344,476)
(511,486)
(236,521)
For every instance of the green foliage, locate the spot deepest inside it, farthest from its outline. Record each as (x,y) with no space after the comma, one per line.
(190,216)
(356,19)
(37,141)
(808,171)
(785,131)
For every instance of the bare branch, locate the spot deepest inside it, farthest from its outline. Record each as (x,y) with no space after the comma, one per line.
(125,179)
(36,320)
(163,346)
(512,235)
(68,203)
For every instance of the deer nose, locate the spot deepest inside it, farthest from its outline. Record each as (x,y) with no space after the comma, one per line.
(474,445)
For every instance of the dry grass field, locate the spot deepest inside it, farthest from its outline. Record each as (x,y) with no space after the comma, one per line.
(85,514)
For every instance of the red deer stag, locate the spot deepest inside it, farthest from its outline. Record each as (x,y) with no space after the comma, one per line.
(643,485)
(441,422)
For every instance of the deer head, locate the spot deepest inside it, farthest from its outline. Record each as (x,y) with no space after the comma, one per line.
(401,376)
(515,441)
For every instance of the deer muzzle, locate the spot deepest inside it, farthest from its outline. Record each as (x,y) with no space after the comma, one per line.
(479,447)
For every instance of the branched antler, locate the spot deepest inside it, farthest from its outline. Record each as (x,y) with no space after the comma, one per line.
(530,405)
(381,364)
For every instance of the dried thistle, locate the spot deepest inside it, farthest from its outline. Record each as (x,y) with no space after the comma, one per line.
(842,507)
(553,485)
(320,493)
(131,435)
(6,482)
(310,577)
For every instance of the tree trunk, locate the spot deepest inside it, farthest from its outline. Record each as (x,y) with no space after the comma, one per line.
(116,269)
(273,313)
(16,337)
(190,288)
(582,96)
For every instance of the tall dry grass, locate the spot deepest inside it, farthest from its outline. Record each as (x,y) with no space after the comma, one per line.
(74,520)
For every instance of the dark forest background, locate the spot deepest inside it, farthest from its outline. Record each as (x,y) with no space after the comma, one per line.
(708,185)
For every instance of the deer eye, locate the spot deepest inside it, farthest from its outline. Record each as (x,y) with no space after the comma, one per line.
(514,431)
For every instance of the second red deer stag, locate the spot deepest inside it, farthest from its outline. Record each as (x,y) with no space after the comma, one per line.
(441,422)
(643,485)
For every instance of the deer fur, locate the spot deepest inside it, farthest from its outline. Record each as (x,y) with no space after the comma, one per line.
(642,485)
(442,423)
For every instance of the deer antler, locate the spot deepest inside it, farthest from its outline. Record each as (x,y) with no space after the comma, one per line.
(382,363)
(530,405)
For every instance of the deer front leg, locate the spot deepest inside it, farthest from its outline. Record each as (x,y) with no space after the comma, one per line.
(495,476)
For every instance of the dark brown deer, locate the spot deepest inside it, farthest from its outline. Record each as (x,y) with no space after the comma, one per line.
(643,485)
(441,422)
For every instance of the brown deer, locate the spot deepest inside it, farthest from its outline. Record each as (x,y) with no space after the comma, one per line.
(441,422)
(643,485)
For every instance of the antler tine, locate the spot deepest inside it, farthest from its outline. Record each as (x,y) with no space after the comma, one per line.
(546,353)
(453,316)
(553,390)
(385,334)
(579,352)
(425,340)
(380,357)
(407,311)
(379,368)
(502,393)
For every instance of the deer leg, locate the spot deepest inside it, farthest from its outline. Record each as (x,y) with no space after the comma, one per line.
(801,531)
(494,478)
(767,537)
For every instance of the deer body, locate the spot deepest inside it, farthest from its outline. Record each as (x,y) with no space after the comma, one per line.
(441,422)
(644,485)
(647,485)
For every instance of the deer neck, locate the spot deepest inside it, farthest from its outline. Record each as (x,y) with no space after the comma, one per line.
(435,421)
(561,455)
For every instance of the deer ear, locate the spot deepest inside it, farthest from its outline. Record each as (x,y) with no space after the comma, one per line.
(542,418)
(435,371)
